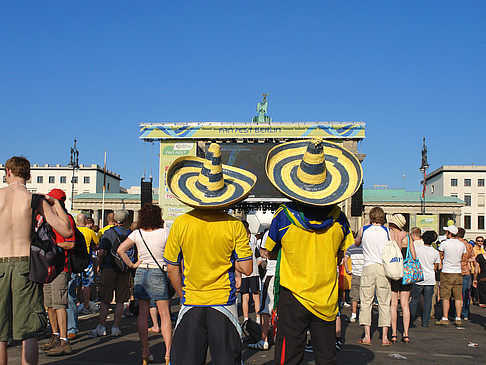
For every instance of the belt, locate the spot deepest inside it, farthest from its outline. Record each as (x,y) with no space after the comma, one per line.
(152,266)
(14,259)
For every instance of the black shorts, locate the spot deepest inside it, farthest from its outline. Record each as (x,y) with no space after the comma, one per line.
(396,286)
(250,284)
(199,328)
(293,322)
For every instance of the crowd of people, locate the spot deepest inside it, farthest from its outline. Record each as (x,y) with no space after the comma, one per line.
(290,271)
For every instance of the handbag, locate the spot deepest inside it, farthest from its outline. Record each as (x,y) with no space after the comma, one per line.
(171,288)
(412,269)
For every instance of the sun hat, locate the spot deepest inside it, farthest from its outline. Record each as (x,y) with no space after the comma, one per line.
(451,228)
(58,194)
(314,172)
(120,215)
(397,219)
(206,183)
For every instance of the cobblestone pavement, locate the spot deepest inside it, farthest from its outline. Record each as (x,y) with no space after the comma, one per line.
(436,344)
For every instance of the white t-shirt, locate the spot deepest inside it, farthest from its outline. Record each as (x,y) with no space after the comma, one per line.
(155,241)
(373,240)
(418,243)
(253,247)
(428,256)
(453,250)
(271,264)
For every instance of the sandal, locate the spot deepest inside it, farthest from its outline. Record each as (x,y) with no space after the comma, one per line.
(147,359)
(394,339)
(406,339)
(152,330)
(361,342)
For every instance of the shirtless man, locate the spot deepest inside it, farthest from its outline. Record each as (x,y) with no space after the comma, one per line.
(27,318)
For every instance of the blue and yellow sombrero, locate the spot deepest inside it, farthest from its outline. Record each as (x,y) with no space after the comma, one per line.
(314,172)
(206,183)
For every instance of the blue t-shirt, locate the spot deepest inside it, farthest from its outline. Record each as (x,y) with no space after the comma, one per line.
(106,241)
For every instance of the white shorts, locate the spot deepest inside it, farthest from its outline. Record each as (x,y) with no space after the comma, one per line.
(266,296)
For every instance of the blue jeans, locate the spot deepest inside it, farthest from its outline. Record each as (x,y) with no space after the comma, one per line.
(72,310)
(466,295)
(151,284)
(417,291)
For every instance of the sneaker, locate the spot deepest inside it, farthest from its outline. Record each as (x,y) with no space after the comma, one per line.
(260,345)
(339,344)
(352,319)
(72,336)
(458,322)
(115,331)
(85,311)
(62,348)
(52,342)
(346,305)
(98,331)
(442,322)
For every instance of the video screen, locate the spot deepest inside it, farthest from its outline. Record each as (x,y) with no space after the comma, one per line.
(251,157)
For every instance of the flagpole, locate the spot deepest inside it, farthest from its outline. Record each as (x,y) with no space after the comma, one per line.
(103,195)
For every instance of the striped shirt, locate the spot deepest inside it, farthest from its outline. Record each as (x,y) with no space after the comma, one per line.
(357,259)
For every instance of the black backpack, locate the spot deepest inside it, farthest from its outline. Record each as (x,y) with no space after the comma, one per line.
(251,330)
(46,258)
(116,260)
(79,258)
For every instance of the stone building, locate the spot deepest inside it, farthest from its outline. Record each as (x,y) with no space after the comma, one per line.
(466,183)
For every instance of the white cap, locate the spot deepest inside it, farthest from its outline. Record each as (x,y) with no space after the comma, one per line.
(453,229)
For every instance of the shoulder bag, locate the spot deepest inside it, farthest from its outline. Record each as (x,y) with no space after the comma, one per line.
(412,270)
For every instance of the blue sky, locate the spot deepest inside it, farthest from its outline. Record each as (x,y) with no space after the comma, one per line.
(93,70)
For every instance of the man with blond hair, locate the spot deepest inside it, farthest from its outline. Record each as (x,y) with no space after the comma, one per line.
(26,319)
(373,238)
(416,234)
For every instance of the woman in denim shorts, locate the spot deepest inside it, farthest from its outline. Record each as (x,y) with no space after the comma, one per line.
(151,283)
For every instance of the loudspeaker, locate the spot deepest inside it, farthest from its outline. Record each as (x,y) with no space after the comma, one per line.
(145,192)
(357,202)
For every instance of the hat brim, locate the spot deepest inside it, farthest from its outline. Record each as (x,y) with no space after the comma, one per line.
(343,177)
(182,177)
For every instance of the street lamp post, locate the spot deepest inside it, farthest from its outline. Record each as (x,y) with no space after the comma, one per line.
(74,163)
(423,168)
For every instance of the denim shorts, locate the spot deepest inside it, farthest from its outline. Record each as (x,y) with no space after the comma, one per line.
(87,276)
(151,284)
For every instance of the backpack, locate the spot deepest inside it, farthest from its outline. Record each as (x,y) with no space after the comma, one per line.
(46,257)
(392,261)
(116,260)
(79,258)
(251,330)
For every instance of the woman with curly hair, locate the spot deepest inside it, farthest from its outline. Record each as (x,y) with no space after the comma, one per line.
(150,281)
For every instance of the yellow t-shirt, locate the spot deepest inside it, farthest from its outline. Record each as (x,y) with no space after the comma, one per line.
(102,230)
(89,235)
(207,243)
(308,263)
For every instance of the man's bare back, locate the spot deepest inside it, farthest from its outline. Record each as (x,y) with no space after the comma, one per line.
(15,221)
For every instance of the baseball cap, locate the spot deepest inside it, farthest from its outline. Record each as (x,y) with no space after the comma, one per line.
(120,215)
(452,228)
(58,194)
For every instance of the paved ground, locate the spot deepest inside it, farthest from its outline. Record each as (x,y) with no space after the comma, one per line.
(447,345)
